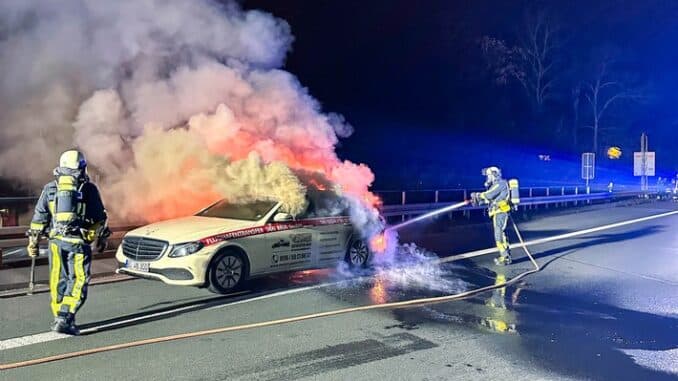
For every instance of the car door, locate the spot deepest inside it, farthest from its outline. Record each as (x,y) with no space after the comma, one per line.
(333,235)
(333,230)
(291,245)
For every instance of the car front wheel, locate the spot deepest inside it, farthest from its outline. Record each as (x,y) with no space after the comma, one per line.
(227,273)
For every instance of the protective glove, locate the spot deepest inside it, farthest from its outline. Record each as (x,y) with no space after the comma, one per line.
(102,241)
(475,199)
(32,248)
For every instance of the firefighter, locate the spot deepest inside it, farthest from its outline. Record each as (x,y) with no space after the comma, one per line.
(71,214)
(497,197)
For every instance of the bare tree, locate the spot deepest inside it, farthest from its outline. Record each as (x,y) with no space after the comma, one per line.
(531,62)
(603,92)
(576,98)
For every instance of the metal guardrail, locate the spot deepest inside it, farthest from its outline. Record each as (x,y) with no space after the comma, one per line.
(14,237)
(17,233)
(526,203)
(419,196)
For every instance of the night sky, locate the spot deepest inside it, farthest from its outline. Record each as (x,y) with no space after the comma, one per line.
(412,79)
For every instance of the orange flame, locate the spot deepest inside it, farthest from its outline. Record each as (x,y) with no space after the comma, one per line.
(373,200)
(378,243)
(317,185)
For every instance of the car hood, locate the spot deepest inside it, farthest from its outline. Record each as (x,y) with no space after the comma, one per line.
(191,228)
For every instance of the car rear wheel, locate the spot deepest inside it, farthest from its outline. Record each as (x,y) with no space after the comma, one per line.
(228,272)
(358,253)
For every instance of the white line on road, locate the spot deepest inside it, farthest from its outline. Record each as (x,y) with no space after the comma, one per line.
(12,252)
(273,295)
(146,317)
(32,339)
(478,253)
(50,336)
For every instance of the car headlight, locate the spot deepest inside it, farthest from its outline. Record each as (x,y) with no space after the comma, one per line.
(184,249)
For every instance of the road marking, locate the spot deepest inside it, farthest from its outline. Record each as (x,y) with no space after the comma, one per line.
(648,277)
(12,252)
(150,316)
(32,339)
(478,253)
(50,336)
(273,295)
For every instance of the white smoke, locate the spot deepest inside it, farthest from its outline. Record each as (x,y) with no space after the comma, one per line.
(175,103)
(54,55)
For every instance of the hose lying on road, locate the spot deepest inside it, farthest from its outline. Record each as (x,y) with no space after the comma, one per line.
(188,335)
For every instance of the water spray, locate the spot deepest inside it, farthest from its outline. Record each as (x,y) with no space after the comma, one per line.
(429,214)
(379,243)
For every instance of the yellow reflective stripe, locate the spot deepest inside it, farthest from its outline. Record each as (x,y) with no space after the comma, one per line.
(51,206)
(37,226)
(492,188)
(54,275)
(72,300)
(68,239)
(64,216)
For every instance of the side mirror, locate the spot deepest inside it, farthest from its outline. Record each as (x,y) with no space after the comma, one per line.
(282,217)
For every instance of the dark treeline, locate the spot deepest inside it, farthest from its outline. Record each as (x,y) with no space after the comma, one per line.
(490,82)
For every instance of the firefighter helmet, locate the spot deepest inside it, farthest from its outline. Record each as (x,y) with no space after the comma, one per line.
(492,175)
(72,159)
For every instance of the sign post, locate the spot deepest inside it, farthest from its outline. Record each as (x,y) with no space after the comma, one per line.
(644,163)
(588,168)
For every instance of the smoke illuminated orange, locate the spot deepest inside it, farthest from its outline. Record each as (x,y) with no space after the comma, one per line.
(317,185)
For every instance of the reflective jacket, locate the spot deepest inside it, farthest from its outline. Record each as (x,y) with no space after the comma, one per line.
(91,214)
(497,197)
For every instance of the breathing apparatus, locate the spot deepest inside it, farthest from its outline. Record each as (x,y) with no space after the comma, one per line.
(69,206)
(492,175)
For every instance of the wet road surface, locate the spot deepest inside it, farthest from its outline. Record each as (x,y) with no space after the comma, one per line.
(604,307)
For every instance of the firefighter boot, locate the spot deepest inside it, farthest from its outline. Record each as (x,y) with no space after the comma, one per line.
(504,258)
(65,324)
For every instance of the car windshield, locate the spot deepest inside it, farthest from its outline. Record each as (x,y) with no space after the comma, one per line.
(250,211)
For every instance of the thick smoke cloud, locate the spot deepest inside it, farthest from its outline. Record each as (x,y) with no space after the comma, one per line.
(175,104)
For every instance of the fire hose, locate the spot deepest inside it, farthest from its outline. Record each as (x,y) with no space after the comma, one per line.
(392,305)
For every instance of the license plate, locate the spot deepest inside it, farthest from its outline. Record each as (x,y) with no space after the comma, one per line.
(138,266)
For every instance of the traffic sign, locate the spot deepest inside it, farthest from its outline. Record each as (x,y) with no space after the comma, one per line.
(588,166)
(643,167)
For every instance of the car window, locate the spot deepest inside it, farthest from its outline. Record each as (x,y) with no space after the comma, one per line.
(251,211)
(309,212)
(325,204)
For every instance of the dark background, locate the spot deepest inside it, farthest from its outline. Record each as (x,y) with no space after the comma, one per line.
(427,108)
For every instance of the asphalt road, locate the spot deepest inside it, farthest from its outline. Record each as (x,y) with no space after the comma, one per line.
(604,307)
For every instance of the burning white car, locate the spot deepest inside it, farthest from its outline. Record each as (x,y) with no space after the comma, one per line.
(225,244)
